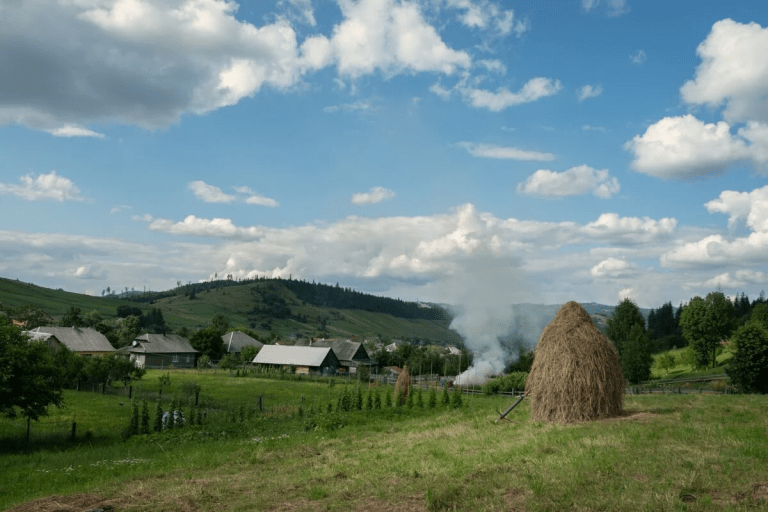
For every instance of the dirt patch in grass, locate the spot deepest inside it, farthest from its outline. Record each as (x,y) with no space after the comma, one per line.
(632,415)
(514,500)
(74,503)
(760,493)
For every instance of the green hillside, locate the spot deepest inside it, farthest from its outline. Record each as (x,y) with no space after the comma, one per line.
(264,306)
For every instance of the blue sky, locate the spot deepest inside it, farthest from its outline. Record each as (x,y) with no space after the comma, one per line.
(530,151)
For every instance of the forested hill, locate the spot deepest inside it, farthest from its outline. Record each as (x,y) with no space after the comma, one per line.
(316,294)
(326,296)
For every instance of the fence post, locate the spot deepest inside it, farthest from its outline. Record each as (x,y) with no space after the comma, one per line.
(130,392)
(28,419)
(74,429)
(197,396)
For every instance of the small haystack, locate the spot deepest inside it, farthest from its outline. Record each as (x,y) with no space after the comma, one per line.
(403,385)
(576,374)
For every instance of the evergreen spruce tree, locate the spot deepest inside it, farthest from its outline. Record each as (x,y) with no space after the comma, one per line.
(419,399)
(636,361)
(446,396)
(377,400)
(158,425)
(388,400)
(432,402)
(330,407)
(144,428)
(359,399)
(133,428)
(369,401)
(409,398)
(625,315)
(456,398)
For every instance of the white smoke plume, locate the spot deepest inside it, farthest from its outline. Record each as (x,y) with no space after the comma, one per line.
(483,293)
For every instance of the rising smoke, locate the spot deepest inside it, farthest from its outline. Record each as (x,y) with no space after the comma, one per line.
(488,297)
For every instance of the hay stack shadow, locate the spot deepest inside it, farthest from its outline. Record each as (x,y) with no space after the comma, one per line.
(576,374)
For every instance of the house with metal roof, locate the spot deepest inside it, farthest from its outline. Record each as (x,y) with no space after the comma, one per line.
(81,340)
(236,341)
(351,354)
(305,360)
(161,351)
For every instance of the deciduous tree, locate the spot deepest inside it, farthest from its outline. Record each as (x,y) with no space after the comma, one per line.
(707,322)
(748,369)
(30,380)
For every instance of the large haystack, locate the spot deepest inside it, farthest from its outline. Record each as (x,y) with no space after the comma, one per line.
(576,374)
(402,385)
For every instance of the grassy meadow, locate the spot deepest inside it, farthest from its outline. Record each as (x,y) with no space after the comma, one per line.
(669,452)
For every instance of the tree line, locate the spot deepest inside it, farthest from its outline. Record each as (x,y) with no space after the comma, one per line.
(706,325)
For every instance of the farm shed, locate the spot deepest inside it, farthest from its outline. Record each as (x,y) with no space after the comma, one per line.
(236,341)
(84,341)
(351,354)
(305,359)
(161,351)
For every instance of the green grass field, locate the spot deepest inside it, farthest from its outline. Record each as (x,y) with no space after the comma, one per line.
(670,452)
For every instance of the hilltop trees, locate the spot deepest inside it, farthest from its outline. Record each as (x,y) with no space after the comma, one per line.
(706,322)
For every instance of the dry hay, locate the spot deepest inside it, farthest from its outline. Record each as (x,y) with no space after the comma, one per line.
(576,374)
(403,384)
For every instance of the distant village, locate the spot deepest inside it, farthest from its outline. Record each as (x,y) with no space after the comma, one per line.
(317,356)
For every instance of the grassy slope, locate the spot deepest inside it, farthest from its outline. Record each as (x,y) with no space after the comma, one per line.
(700,452)
(233,302)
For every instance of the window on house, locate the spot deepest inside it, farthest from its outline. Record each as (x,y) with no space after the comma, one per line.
(175,358)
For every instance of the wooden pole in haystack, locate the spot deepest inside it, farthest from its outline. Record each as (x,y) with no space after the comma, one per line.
(402,386)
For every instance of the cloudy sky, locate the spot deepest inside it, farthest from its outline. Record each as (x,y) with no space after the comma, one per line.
(569,150)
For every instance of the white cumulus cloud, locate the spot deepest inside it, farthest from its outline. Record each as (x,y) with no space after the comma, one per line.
(686,148)
(614,268)
(590,91)
(373,196)
(575,181)
(501,99)
(733,71)
(504,152)
(43,186)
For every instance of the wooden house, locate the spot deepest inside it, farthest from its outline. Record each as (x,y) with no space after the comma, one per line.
(80,340)
(306,360)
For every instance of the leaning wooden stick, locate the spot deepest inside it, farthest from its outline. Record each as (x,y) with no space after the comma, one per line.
(504,414)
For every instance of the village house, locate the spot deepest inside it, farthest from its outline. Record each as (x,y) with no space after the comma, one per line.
(161,351)
(236,341)
(351,354)
(306,360)
(80,340)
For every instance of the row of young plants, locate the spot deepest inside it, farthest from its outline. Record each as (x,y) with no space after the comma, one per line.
(332,417)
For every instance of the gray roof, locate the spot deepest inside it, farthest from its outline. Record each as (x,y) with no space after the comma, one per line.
(297,356)
(345,350)
(76,339)
(235,341)
(161,344)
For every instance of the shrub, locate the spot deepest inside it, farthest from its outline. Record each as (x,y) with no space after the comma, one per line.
(506,383)
(376,400)
(432,402)
(446,396)
(369,401)
(419,399)
(388,400)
